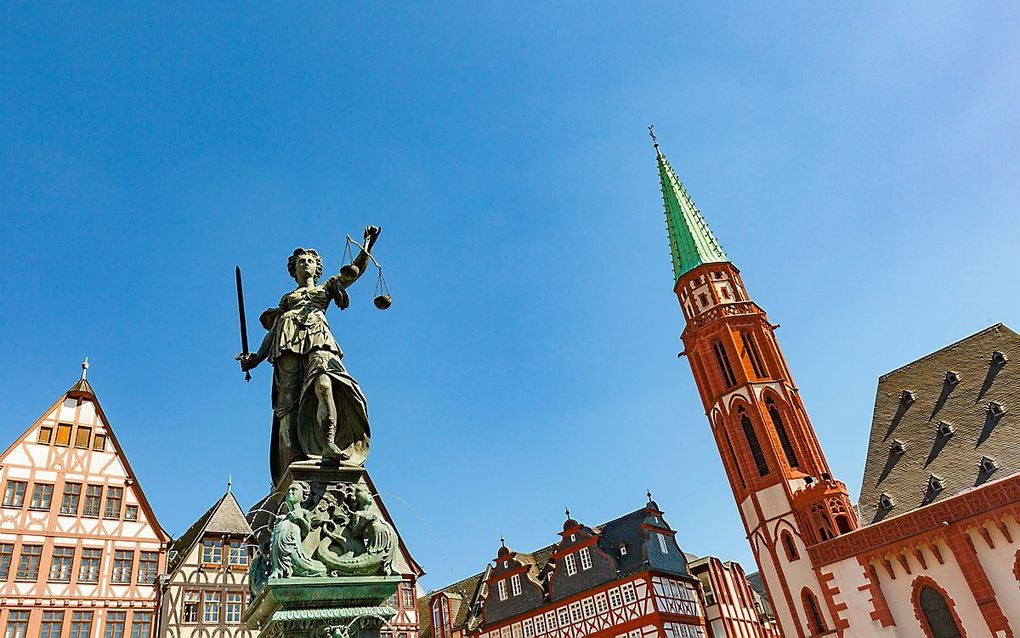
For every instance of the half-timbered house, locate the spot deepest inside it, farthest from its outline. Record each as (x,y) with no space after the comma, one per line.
(80,548)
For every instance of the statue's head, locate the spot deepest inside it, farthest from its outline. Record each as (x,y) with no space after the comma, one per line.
(304,262)
(298,493)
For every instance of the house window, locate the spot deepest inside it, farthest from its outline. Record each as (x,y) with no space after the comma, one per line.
(114,499)
(115,624)
(82,437)
(515,584)
(148,565)
(601,604)
(407,594)
(585,555)
(99,443)
(130,512)
(93,496)
(615,600)
(17,624)
(628,593)
(571,564)
(212,552)
(791,548)
(63,434)
(937,614)
(122,564)
(81,624)
(190,607)
(6,554)
(211,607)
(14,493)
(60,566)
(575,612)
(233,607)
(28,563)
(69,502)
(539,625)
(784,438)
(89,570)
(45,435)
(563,617)
(724,363)
(816,623)
(141,624)
(52,623)
(238,553)
(752,442)
(528,627)
(42,496)
(662,542)
(588,605)
(502,590)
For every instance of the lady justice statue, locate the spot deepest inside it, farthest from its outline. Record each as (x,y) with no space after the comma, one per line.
(319,412)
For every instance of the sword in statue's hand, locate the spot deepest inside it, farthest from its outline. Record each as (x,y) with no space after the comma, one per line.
(244,324)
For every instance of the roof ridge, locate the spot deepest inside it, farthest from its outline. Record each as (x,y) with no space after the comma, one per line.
(944,348)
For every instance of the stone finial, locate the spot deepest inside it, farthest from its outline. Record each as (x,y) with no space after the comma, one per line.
(84,368)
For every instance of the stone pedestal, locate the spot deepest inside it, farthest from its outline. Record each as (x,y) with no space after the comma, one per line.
(329,607)
(323,567)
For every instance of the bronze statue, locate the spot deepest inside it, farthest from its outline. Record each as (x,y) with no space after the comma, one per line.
(287,555)
(319,412)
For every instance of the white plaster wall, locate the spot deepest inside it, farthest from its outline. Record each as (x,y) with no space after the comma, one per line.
(998,564)
(849,578)
(768,571)
(898,593)
(749,513)
(773,502)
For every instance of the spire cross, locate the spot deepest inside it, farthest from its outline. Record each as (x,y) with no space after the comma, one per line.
(649,494)
(502,541)
(230,482)
(568,512)
(651,133)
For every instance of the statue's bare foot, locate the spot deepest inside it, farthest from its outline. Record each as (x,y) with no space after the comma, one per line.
(331,451)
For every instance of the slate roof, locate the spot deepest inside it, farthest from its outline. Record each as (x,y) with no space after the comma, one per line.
(913,421)
(625,529)
(224,517)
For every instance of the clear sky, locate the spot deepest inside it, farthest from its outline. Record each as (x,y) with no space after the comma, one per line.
(858,164)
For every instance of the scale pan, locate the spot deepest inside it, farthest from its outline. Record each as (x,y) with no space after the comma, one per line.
(382,302)
(350,271)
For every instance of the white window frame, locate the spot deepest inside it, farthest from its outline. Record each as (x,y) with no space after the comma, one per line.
(662,542)
(502,589)
(571,564)
(585,558)
(515,584)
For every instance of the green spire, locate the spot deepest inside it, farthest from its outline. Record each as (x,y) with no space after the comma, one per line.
(691,242)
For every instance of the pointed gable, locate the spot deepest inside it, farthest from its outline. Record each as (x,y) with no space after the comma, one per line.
(225,517)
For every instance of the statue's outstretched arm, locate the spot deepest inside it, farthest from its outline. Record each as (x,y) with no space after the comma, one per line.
(362,260)
(253,359)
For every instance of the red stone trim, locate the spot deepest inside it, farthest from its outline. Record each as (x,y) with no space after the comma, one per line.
(915,598)
(989,497)
(1016,566)
(960,544)
(880,606)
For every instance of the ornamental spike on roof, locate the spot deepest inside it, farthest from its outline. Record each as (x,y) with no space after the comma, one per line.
(691,242)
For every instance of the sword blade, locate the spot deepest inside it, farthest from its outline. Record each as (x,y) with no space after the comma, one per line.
(240,314)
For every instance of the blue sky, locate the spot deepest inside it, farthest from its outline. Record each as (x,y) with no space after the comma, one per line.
(858,164)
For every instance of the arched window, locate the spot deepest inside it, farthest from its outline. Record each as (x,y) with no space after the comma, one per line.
(935,615)
(724,363)
(752,442)
(843,524)
(784,438)
(815,620)
(751,349)
(790,546)
(733,457)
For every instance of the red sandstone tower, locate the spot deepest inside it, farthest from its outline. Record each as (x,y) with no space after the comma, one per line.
(781,481)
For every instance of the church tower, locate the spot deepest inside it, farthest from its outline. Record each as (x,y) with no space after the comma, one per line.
(780,479)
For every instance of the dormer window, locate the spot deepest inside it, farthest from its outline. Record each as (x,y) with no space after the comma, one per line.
(907,397)
(998,358)
(515,584)
(988,466)
(623,549)
(885,502)
(996,409)
(585,555)
(571,564)
(952,378)
(501,586)
(935,484)
(573,537)
(945,429)
(441,617)
(897,448)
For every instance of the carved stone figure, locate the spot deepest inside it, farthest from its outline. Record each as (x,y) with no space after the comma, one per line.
(319,411)
(287,553)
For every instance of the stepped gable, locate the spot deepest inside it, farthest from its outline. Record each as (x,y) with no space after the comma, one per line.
(224,517)
(944,424)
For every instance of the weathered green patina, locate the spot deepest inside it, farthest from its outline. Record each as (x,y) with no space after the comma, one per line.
(691,242)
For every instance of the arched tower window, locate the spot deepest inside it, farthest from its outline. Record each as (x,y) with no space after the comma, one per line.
(724,363)
(936,615)
(733,457)
(790,546)
(815,620)
(753,443)
(784,437)
(751,348)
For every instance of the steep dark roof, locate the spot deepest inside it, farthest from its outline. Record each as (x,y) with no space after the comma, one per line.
(224,517)
(961,402)
(756,584)
(625,529)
